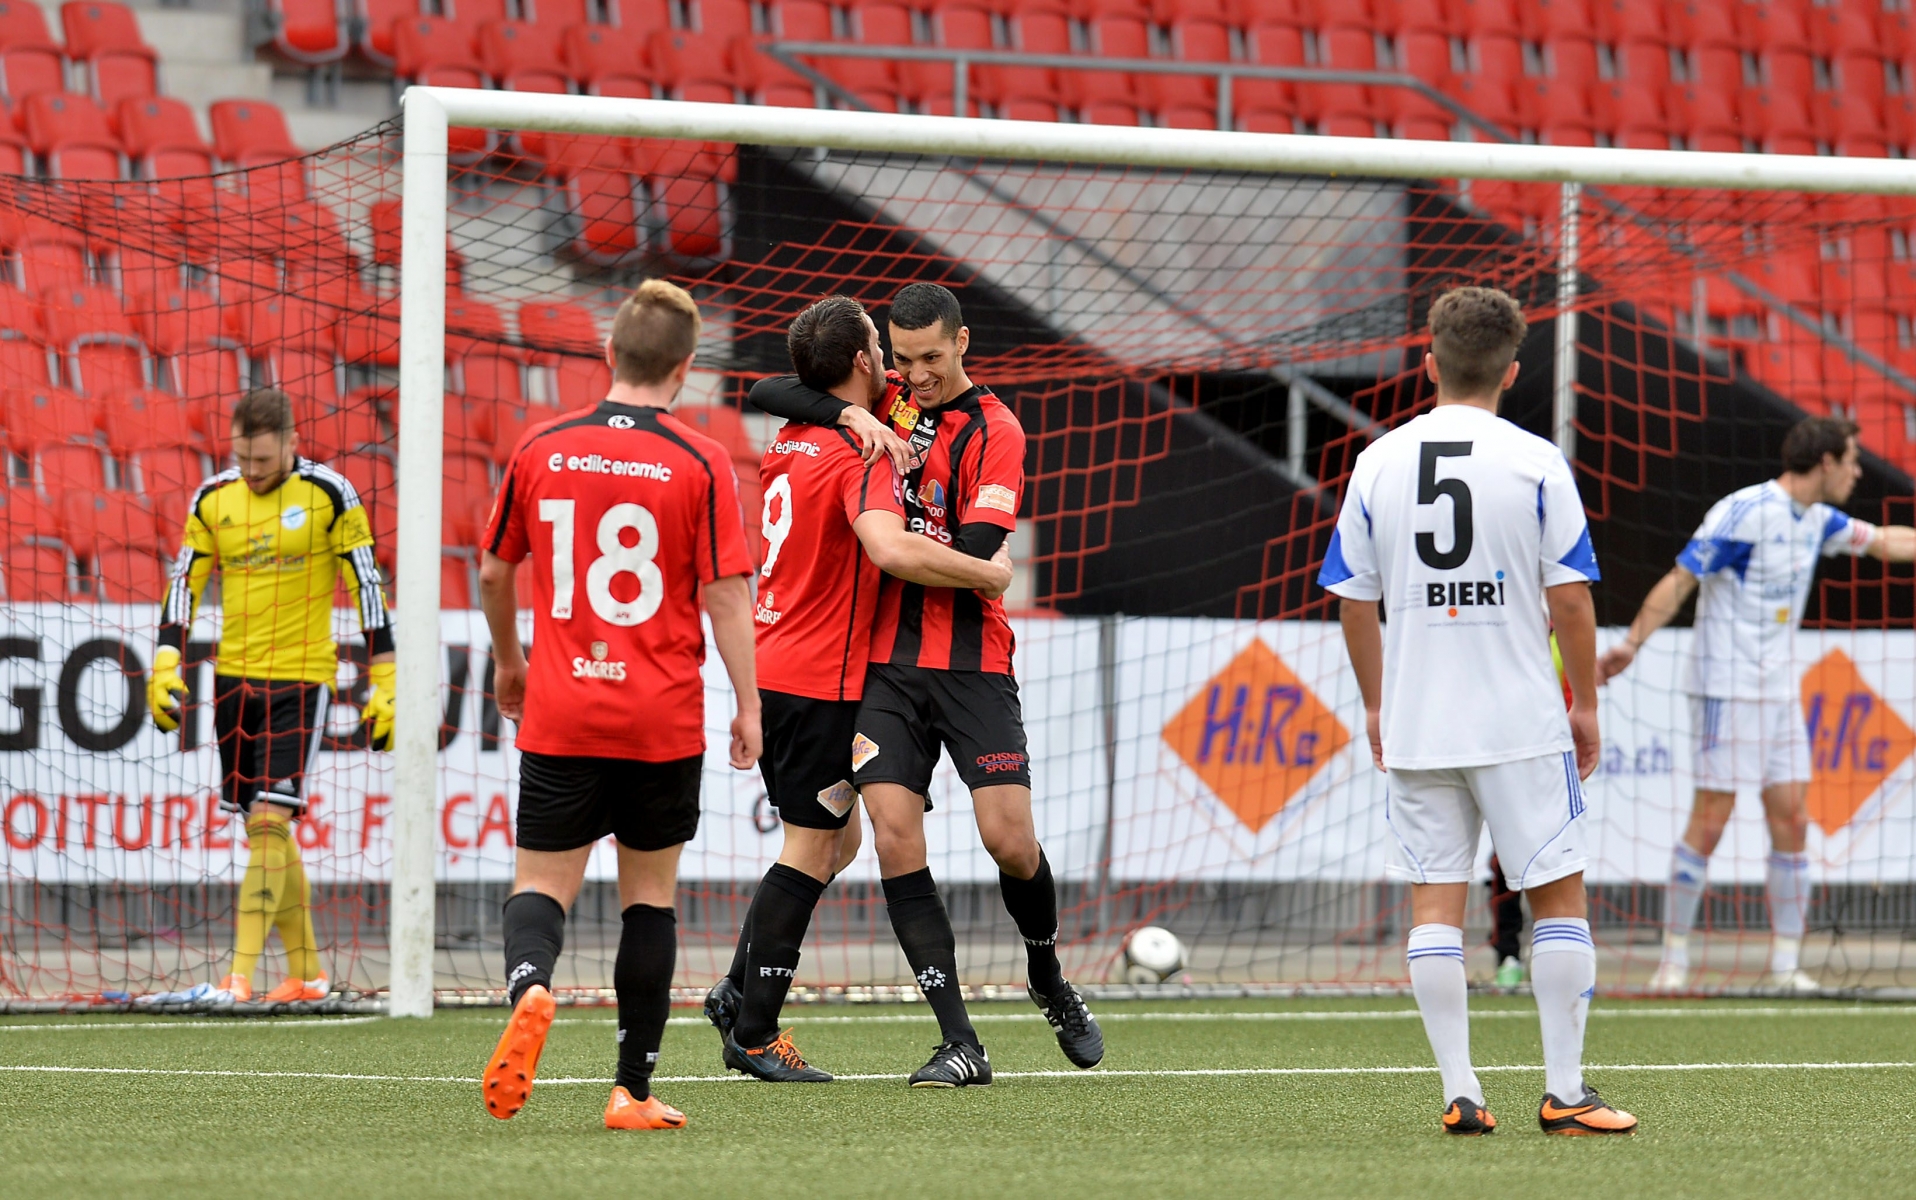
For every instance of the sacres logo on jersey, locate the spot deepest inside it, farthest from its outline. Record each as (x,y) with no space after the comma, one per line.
(597,667)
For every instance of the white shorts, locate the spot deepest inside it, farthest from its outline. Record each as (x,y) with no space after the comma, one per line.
(1532,805)
(1749,743)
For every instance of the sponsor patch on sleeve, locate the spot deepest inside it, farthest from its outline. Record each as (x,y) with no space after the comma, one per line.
(998,496)
(838,798)
(863,751)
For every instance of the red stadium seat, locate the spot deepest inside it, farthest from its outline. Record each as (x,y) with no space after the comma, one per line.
(688,187)
(326,432)
(523,57)
(605,206)
(38,572)
(1195,96)
(98,365)
(20,317)
(1268,105)
(692,66)
(509,424)
(1840,29)
(1476,18)
(167,473)
(30,61)
(167,146)
(596,55)
(559,325)
(69,468)
(24,512)
(146,420)
(875,23)
(106,37)
(765,80)
(473,326)
(130,575)
(308,31)
(468,496)
(24,363)
(492,377)
(1345,50)
(1623,21)
(36,418)
(455,568)
(252,134)
(579,381)
(53,119)
(52,261)
(723,424)
(1548,20)
(67,314)
(242,280)
(313,244)
(640,16)
(312,375)
(722,20)
(91,520)
(556,13)
(375,20)
(370,334)
(1698,23)
(274,322)
(204,373)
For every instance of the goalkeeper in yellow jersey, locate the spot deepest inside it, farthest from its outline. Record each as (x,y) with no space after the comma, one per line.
(282,531)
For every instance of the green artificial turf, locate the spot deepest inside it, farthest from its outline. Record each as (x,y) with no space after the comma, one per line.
(1736,1132)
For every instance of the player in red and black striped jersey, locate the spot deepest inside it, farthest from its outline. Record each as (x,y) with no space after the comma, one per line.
(831,523)
(941,678)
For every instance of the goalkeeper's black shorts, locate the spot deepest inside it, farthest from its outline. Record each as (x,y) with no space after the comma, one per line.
(268,730)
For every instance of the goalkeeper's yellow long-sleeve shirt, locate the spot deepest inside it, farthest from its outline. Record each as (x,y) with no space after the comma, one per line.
(279,556)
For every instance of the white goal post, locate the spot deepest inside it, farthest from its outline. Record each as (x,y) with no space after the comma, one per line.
(429,112)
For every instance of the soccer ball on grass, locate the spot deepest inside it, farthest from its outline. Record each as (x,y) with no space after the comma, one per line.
(1152,954)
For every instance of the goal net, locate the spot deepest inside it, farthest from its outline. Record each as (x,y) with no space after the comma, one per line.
(1197,352)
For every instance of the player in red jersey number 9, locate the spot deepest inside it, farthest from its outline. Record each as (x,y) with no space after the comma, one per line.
(621,509)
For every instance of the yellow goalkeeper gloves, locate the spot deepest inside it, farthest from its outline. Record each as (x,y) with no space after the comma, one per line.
(164,689)
(377,715)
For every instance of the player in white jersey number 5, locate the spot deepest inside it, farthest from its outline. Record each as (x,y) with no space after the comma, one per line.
(1754,558)
(1464,527)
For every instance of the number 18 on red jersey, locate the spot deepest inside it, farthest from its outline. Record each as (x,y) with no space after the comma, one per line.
(624,513)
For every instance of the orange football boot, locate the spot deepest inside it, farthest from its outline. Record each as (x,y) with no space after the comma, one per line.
(623,1112)
(1466,1118)
(507,1083)
(238,987)
(292,991)
(1589,1117)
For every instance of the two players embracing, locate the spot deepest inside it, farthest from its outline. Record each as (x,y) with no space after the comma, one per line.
(640,513)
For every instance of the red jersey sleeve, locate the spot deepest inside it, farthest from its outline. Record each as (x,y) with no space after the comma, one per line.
(722,534)
(505,532)
(873,488)
(993,480)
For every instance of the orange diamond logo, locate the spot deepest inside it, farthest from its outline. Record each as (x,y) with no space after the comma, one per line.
(1856,740)
(1255,735)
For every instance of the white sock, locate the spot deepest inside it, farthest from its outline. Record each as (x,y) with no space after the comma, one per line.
(1788,884)
(1436,958)
(1689,876)
(1563,977)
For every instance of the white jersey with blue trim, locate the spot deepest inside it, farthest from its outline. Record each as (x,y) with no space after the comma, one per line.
(1458,521)
(1755,555)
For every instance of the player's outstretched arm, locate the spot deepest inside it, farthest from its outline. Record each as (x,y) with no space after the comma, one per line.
(1573,614)
(918,559)
(1364,639)
(729,601)
(1663,603)
(1894,543)
(499,600)
(784,396)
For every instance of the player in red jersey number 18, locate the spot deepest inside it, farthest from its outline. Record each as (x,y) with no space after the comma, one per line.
(622,509)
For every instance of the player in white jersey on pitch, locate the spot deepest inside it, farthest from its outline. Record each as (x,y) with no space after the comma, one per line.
(1469,529)
(1754,558)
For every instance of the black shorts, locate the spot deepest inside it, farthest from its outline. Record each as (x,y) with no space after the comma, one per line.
(567,802)
(807,762)
(909,712)
(268,732)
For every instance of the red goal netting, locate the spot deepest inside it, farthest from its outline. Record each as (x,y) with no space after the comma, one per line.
(1197,358)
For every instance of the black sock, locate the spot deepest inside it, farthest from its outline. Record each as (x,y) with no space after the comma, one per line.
(642,977)
(780,914)
(535,932)
(924,932)
(737,972)
(1506,911)
(1033,905)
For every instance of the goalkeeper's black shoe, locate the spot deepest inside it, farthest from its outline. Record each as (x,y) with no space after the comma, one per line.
(721,1006)
(954,1064)
(777,1061)
(1070,1018)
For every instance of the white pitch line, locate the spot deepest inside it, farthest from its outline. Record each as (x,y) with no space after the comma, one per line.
(1187,1073)
(197,1023)
(1395,1014)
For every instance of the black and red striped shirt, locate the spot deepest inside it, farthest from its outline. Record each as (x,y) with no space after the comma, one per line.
(969,469)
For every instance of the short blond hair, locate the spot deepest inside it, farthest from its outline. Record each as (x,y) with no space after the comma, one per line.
(655,330)
(1474,334)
